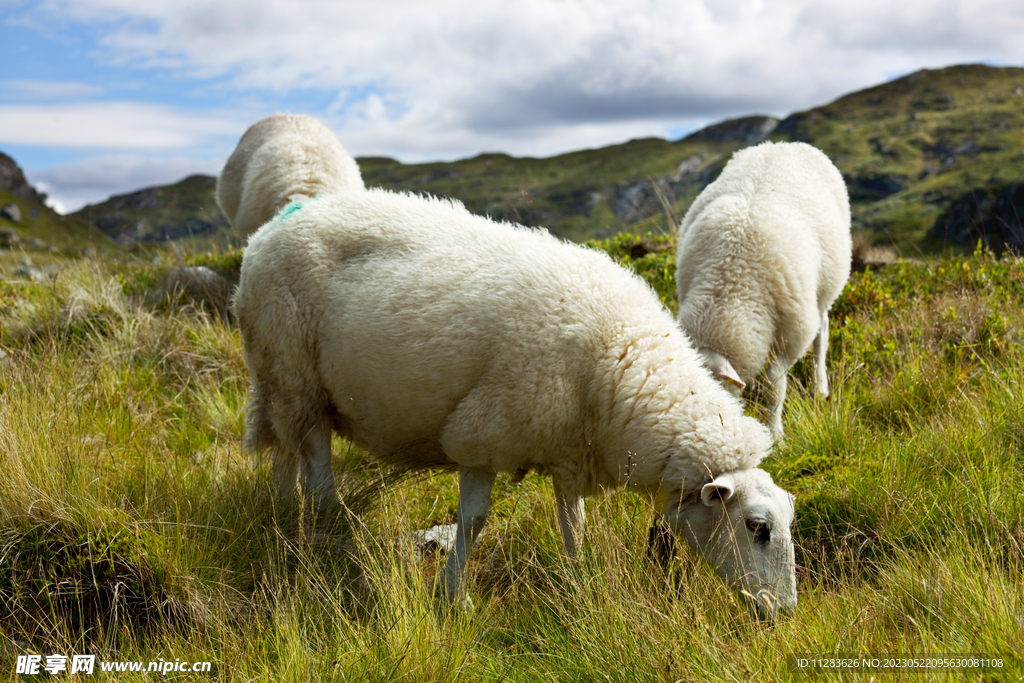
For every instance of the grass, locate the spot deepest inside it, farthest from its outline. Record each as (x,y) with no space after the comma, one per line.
(131,525)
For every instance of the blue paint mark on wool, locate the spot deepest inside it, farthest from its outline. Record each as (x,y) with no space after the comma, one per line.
(279,219)
(289,210)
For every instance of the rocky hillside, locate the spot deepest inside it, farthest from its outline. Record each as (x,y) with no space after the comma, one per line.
(28,225)
(187,208)
(582,195)
(932,159)
(12,180)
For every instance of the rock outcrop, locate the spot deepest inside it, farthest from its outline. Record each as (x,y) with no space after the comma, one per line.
(994,215)
(12,179)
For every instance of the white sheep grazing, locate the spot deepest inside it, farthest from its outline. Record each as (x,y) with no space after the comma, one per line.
(280,159)
(435,338)
(762,254)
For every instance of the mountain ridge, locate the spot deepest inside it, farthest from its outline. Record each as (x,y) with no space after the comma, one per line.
(911,150)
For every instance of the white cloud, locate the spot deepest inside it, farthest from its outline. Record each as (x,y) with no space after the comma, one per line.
(71,186)
(964,30)
(452,78)
(50,90)
(492,68)
(57,205)
(108,125)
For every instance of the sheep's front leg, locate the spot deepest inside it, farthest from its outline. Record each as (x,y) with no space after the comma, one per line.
(571,519)
(474,502)
(820,351)
(777,372)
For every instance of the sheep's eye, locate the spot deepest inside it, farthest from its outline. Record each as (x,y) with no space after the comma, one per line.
(759,527)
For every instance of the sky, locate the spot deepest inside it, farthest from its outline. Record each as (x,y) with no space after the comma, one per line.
(102,97)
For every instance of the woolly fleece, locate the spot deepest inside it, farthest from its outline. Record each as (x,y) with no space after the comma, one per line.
(762,254)
(436,338)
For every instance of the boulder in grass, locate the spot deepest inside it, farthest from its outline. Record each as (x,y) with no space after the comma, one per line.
(440,538)
(199,286)
(9,238)
(11,212)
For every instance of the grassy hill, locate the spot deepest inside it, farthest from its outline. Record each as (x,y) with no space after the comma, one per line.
(41,228)
(186,210)
(590,194)
(582,195)
(912,147)
(910,150)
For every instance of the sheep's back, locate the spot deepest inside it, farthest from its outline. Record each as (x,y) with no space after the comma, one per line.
(769,239)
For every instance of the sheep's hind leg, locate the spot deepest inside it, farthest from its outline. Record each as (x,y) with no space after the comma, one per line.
(571,519)
(474,503)
(286,466)
(260,435)
(777,372)
(820,351)
(315,465)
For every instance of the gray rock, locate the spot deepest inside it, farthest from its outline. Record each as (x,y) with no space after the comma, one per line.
(11,212)
(9,238)
(688,167)
(749,129)
(440,538)
(628,200)
(34,273)
(198,286)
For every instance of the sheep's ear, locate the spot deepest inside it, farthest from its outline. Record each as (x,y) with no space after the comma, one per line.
(727,373)
(718,491)
(721,368)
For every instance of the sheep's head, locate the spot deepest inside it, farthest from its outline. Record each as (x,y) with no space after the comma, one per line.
(740,522)
(723,371)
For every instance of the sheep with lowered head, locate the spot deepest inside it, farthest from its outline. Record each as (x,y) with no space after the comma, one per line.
(280,159)
(762,254)
(435,338)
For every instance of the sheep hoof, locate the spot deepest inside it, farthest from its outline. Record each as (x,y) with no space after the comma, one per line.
(453,601)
